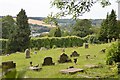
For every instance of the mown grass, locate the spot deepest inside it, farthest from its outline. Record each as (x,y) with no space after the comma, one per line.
(53,71)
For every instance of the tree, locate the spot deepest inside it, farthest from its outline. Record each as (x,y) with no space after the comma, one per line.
(8,26)
(113,28)
(109,28)
(57,32)
(21,40)
(51,20)
(118,24)
(76,7)
(52,31)
(82,28)
(103,29)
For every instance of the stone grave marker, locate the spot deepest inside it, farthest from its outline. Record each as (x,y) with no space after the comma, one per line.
(48,61)
(64,58)
(118,67)
(27,52)
(71,70)
(35,52)
(74,54)
(8,66)
(92,66)
(86,45)
(103,50)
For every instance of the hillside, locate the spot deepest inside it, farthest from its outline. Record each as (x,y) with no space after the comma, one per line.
(40,23)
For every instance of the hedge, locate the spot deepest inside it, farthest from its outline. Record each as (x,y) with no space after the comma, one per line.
(49,42)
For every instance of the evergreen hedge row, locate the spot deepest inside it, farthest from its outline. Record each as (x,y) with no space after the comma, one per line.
(49,42)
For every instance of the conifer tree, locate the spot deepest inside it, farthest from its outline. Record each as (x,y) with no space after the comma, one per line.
(21,39)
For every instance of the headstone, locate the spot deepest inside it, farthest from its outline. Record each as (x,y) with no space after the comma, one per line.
(63,50)
(35,52)
(42,48)
(74,54)
(75,60)
(103,50)
(48,61)
(87,56)
(7,66)
(86,45)
(64,58)
(118,67)
(27,52)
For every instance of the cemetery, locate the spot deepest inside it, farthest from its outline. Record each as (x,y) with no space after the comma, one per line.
(57,46)
(60,64)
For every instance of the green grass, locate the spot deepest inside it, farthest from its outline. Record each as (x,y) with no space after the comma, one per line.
(53,71)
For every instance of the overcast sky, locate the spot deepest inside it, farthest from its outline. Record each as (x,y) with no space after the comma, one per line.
(41,8)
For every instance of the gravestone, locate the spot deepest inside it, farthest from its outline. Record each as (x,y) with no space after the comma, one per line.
(71,70)
(87,56)
(42,48)
(75,60)
(48,61)
(92,66)
(27,52)
(63,50)
(86,45)
(74,54)
(7,66)
(35,52)
(64,58)
(118,67)
(103,50)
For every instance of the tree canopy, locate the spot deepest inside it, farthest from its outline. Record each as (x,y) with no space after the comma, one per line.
(76,7)
(82,28)
(8,26)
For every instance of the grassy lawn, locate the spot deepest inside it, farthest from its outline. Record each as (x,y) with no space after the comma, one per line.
(53,71)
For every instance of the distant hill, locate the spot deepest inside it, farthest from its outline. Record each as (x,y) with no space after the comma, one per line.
(62,22)
(40,23)
(65,22)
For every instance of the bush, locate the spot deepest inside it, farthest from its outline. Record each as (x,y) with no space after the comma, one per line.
(113,53)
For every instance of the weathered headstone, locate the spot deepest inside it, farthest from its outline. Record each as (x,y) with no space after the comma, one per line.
(27,52)
(64,58)
(86,45)
(75,60)
(74,54)
(42,48)
(48,61)
(35,52)
(6,66)
(63,50)
(103,50)
(87,56)
(118,67)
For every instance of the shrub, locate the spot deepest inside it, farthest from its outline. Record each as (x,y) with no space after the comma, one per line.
(113,53)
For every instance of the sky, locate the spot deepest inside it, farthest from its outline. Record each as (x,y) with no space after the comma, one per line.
(41,8)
